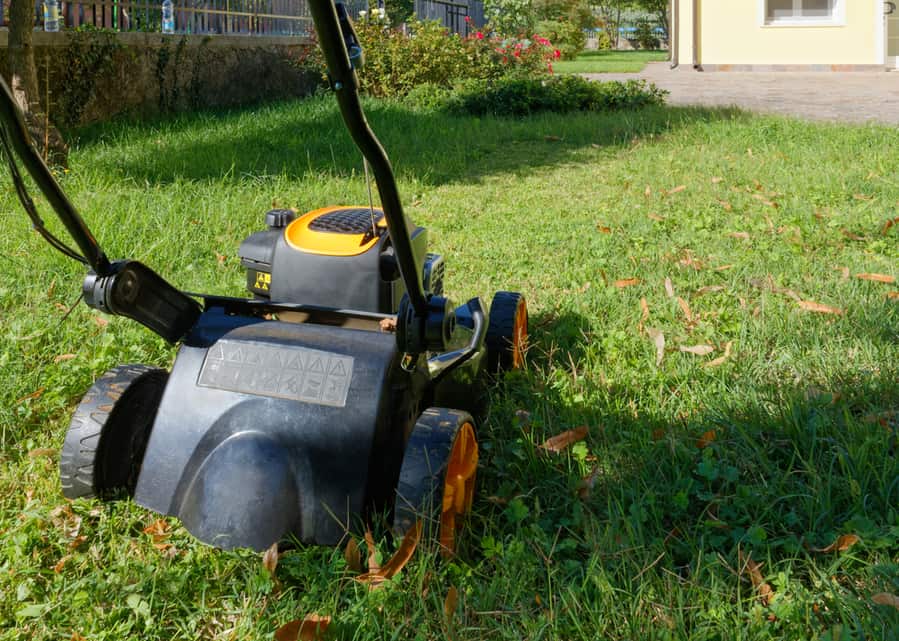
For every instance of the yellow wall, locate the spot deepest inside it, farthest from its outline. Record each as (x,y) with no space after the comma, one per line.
(731,34)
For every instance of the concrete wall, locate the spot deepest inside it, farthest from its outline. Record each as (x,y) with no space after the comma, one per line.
(152,73)
(734,33)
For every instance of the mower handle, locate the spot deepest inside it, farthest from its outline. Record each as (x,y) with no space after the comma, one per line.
(335,33)
(11,117)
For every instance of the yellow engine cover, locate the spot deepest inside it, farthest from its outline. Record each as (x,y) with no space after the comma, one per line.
(336,231)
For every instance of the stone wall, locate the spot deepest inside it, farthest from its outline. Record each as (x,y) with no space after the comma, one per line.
(94,76)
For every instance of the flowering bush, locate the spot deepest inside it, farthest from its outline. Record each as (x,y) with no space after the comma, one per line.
(567,36)
(397,62)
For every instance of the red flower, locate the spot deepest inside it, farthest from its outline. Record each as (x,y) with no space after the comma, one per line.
(468,19)
(549,66)
(479,35)
(517,53)
(557,54)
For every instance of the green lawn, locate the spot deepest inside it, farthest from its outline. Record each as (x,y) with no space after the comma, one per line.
(609,62)
(721,222)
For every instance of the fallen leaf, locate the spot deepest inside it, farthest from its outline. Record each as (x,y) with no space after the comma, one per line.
(706,439)
(685,308)
(699,350)
(644,313)
(65,520)
(658,338)
(709,289)
(716,180)
(270,559)
(888,224)
(879,278)
(754,570)
(885,598)
(158,529)
(61,563)
(603,229)
(77,542)
(648,191)
(669,288)
(585,485)
(741,235)
(675,190)
(450,602)
(311,628)
(372,561)
(353,556)
(749,151)
(100,321)
(862,197)
(399,559)
(563,441)
(42,451)
(723,268)
(720,360)
(726,205)
(844,273)
(765,201)
(842,544)
(851,236)
(35,394)
(626,282)
(656,218)
(63,357)
(220,258)
(551,138)
(893,295)
(812,306)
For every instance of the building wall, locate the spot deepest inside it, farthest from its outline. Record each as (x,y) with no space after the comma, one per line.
(731,33)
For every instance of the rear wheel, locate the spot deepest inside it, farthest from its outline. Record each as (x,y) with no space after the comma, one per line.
(437,477)
(107,437)
(507,333)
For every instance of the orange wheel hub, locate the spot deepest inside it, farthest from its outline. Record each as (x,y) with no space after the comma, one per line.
(458,487)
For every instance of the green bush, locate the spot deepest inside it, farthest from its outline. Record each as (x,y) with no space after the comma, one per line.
(397,62)
(568,37)
(524,96)
(645,36)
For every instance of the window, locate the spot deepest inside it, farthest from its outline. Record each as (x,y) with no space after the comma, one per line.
(798,12)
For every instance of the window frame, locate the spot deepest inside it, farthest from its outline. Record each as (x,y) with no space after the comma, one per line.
(836,19)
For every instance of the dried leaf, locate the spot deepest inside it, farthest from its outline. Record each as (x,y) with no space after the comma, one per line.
(658,338)
(842,544)
(61,563)
(644,313)
(100,321)
(373,565)
(765,201)
(723,268)
(220,258)
(270,559)
(878,278)
(648,191)
(720,360)
(851,236)
(709,289)
(158,529)
(685,308)
(716,179)
(699,350)
(675,190)
(310,628)
(585,485)
(450,602)
(35,394)
(888,224)
(893,295)
(353,556)
(754,570)
(862,197)
(63,357)
(740,235)
(726,205)
(626,282)
(42,451)
(669,288)
(603,229)
(403,553)
(812,306)
(885,598)
(563,441)
(656,218)
(706,439)
(844,273)
(551,138)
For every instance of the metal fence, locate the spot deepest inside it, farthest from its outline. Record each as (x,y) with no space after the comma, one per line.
(237,17)
(452,14)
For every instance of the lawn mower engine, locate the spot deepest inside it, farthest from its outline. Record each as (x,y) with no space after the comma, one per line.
(334,257)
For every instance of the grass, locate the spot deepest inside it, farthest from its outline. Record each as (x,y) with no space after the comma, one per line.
(609,62)
(797,424)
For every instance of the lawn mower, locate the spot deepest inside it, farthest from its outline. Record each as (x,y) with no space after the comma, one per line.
(346,388)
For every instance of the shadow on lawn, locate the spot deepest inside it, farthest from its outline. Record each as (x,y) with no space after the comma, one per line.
(303,138)
(673,502)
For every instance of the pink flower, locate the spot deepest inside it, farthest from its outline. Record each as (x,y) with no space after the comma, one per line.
(479,35)
(517,53)
(557,54)
(468,19)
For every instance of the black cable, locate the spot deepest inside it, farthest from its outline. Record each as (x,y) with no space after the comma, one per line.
(28,204)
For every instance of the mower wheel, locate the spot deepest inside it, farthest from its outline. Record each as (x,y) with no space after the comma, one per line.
(108,433)
(507,332)
(437,477)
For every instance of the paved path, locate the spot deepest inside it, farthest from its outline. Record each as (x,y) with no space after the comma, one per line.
(858,96)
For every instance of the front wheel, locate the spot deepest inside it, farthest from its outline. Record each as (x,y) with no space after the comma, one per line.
(107,437)
(507,333)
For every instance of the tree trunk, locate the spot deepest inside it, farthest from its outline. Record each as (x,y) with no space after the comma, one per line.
(23,82)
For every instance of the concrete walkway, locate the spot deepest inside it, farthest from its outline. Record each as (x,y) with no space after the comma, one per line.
(824,95)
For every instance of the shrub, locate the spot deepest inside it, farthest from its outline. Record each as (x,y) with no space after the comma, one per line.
(397,62)
(524,96)
(645,36)
(568,37)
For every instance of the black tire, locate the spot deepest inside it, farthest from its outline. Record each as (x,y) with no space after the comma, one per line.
(422,483)
(501,340)
(107,436)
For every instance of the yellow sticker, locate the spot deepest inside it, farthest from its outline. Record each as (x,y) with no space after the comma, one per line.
(263,281)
